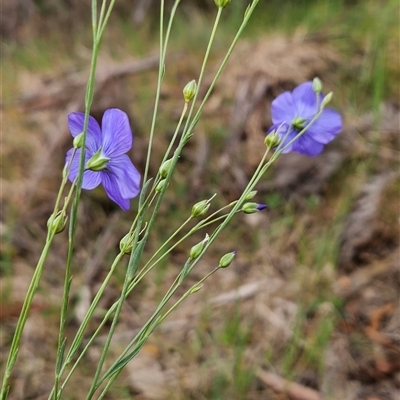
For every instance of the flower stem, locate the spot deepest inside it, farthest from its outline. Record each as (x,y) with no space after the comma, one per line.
(98,30)
(156,323)
(12,357)
(161,71)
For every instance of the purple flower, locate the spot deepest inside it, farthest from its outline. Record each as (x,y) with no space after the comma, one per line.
(251,208)
(292,111)
(106,161)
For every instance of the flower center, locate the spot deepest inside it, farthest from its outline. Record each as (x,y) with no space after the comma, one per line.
(298,123)
(97,162)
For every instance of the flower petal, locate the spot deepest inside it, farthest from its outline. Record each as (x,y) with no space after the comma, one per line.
(305,100)
(307,145)
(91,179)
(93,137)
(117,134)
(128,176)
(326,127)
(283,108)
(112,188)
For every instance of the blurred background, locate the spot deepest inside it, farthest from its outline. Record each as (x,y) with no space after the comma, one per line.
(309,309)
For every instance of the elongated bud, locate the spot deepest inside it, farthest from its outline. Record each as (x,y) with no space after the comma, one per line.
(160,186)
(317,85)
(189,91)
(222,3)
(78,141)
(198,248)
(250,195)
(165,167)
(246,11)
(272,140)
(327,99)
(200,208)
(57,223)
(227,259)
(126,243)
(251,208)
(196,288)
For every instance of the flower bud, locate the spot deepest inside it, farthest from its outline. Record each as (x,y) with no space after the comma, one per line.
(251,208)
(160,186)
(317,85)
(165,167)
(226,259)
(246,11)
(200,208)
(196,288)
(57,223)
(78,141)
(198,248)
(97,162)
(327,99)
(272,140)
(126,243)
(250,195)
(189,91)
(222,3)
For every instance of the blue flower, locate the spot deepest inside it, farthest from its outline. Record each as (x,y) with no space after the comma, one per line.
(292,111)
(106,161)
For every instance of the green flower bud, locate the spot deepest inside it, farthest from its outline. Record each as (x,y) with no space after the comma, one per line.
(97,162)
(160,186)
(198,248)
(78,141)
(250,195)
(165,167)
(317,85)
(200,208)
(251,208)
(246,11)
(272,140)
(222,3)
(226,259)
(196,288)
(57,223)
(327,99)
(126,243)
(189,91)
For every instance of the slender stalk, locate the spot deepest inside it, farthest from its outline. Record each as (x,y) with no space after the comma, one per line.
(98,30)
(184,138)
(12,357)
(103,355)
(203,66)
(161,71)
(246,18)
(158,322)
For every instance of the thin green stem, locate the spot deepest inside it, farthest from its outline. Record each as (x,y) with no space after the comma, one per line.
(79,335)
(157,323)
(24,316)
(98,31)
(175,135)
(103,355)
(203,66)
(246,18)
(161,71)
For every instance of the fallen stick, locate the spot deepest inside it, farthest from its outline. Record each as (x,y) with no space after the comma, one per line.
(295,391)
